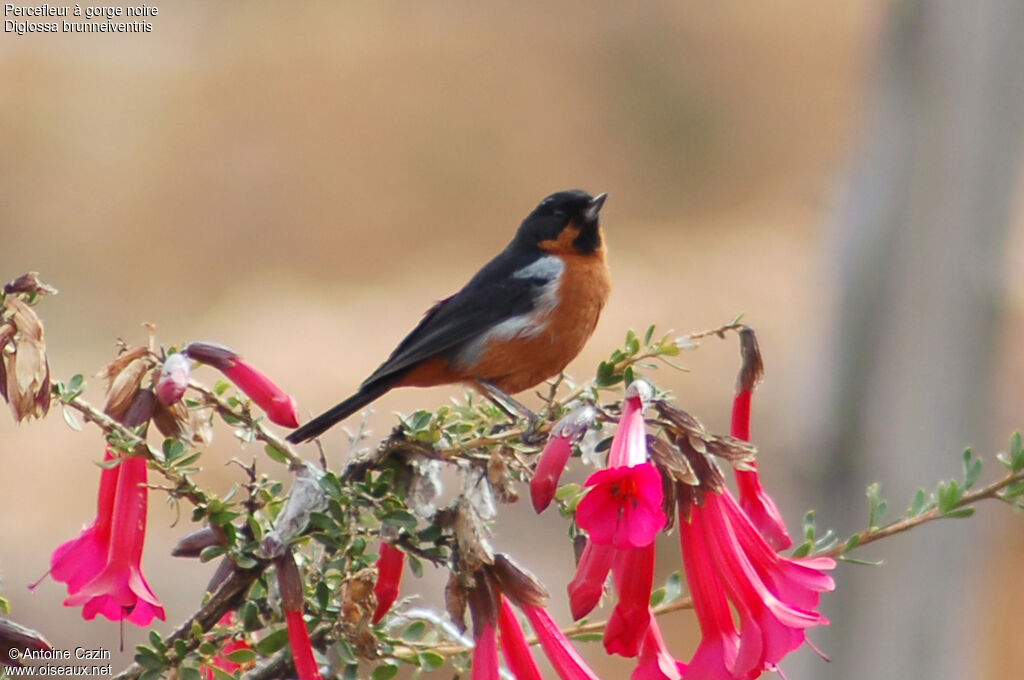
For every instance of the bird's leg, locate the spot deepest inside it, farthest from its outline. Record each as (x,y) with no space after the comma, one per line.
(507,403)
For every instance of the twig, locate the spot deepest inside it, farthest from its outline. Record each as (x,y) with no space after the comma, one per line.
(263,434)
(898,527)
(226,598)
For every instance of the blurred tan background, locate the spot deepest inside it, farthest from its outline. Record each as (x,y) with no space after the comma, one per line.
(302,183)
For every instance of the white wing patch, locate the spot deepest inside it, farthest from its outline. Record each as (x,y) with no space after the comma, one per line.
(548,268)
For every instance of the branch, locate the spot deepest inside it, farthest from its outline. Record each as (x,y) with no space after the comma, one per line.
(969,499)
(224,599)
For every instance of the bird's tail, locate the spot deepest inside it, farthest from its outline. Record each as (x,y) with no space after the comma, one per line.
(329,418)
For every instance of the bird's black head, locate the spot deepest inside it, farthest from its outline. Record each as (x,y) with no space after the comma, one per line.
(565,222)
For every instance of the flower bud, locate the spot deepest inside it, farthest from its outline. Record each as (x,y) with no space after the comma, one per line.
(173,379)
(566,432)
(278,404)
(211,353)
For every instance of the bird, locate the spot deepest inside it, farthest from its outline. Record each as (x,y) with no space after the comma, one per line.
(517,322)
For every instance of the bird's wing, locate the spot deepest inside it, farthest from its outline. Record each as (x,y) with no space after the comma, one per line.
(505,288)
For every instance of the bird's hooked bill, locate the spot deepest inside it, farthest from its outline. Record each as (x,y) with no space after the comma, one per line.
(590,214)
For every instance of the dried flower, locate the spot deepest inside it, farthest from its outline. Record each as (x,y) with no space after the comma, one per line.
(27,370)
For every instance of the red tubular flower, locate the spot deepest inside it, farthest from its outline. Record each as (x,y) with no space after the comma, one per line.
(173,379)
(289,582)
(278,404)
(514,645)
(553,458)
(758,505)
(120,591)
(79,560)
(222,661)
(390,565)
(727,559)
(623,506)
(563,656)
(634,576)
(656,662)
(715,657)
(483,610)
(587,586)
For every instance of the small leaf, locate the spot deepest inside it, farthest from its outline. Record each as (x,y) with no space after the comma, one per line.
(71,420)
(400,518)
(648,335)
(431,661)
(415,631)
(273,642)
(917,505)
(632,343)
(242,656)
(386,671)
(275,453)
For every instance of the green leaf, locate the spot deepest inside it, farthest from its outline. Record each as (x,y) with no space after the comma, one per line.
(211,552)
(415,565)
(275,453)
(852,543)
(648,335)
(972,468)
(157,642)
(242,656)
(1016,452)
(190,673)
(949,494)
(221,674)
(632,343)
(173,449)
(220,387)
(149,659)
(878,506)
(273,642)
(430,661)
(917,505)
(961,512)
(415,631)
(400,518)
(809,526)
(385,671)
(71,420)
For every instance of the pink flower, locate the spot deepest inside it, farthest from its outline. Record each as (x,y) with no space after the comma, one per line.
(489,605)
(566,432)
(222,661)
(587,586)
(563,656)
(728,561)
(719,645)
(79,560)
(514,645)
(173,379)
(279,405)
(302,647)
(390,565)
(758,505)
(289,582)
(120,591)
(623,507)
(622,513)
(633,571)
(656,662)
